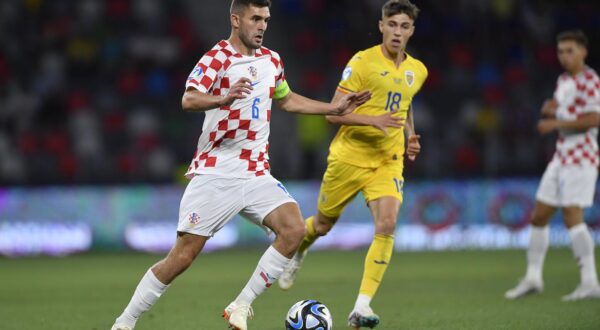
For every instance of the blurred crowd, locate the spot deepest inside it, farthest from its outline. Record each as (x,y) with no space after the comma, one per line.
(90,90)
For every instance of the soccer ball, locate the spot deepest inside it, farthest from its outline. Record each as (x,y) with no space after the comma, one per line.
(308,315)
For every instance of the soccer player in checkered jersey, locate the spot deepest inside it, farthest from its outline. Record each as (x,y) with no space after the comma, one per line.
(234,84)
(367,154)
(570,178)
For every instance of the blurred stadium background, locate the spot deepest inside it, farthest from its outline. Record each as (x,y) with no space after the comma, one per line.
(93,141)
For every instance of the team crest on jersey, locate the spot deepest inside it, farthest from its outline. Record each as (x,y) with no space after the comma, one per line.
(410,78)
(347,73)
(253,72)
(194,218)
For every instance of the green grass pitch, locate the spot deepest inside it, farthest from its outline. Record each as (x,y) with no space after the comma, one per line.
(432,290)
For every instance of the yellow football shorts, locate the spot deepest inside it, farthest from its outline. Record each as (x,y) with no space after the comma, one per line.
(343,181)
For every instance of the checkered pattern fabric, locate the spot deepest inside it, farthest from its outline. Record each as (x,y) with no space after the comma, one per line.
(577,96)
(234,139)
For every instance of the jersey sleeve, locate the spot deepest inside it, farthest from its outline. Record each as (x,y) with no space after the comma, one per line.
(282,89)
(556,87)
(354,75)
(424,73)
(204,75)
(590,95)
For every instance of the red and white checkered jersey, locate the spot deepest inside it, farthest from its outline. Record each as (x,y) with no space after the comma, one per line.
(234,139)
(576,96)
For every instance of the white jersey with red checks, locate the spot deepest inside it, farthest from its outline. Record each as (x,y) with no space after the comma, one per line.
(234,139)
(576,96)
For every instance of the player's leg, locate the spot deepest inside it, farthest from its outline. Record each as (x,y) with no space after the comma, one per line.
(385,212)
(384,197)
(583,250)
(580,186)
(158,278)
(538,239)
(536,252)
(341,182)
(208,203)
(547,197)
(316,226)
(269,205)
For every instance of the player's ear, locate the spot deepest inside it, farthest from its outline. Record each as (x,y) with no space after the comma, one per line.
(584,51)
(381,26)
(235,20)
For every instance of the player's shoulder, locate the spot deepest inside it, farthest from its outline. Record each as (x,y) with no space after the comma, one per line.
(221,55)
(222,48)
(368,54)
(362,58)
(590,74)
(417,64)
(563,76)
(264,51)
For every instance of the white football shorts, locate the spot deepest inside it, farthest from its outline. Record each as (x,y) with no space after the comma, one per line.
(563,186)
(210,201)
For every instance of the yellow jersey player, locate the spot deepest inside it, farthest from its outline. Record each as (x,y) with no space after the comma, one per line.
(368,151)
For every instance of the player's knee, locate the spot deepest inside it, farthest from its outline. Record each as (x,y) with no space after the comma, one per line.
(572,216)
(294,234)
(538,220)
(323,229)
(324,225)
(386,226)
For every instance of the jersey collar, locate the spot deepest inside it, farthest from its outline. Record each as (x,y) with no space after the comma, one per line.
(390,62)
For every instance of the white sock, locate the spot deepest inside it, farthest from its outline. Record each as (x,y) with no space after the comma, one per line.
(146,294)
(583,249)
(362,301)
(267,271)
(536,252)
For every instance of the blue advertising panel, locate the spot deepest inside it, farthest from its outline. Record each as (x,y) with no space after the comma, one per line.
(435,215)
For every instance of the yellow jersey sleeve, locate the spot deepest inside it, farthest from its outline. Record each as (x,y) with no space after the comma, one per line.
(354,75)
(424,73)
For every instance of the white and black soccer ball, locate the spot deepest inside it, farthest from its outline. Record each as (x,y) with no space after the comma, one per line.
(308,315)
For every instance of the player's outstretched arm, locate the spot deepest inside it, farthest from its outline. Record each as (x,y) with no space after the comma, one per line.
(194,100)
(297,103)
(381,122)
(583,123)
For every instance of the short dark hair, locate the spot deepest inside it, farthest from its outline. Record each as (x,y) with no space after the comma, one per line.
(395,7)
(573,35)
(238,5)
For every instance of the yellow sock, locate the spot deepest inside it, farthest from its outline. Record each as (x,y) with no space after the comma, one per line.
(310,237)
(376,262)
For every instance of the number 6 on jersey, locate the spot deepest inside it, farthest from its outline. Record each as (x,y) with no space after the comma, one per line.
(255,109)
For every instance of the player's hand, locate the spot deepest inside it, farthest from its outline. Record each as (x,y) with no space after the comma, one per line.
(350,101)
(388,120)
(413,147)
(238,91)
(549,108)
(546,126)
